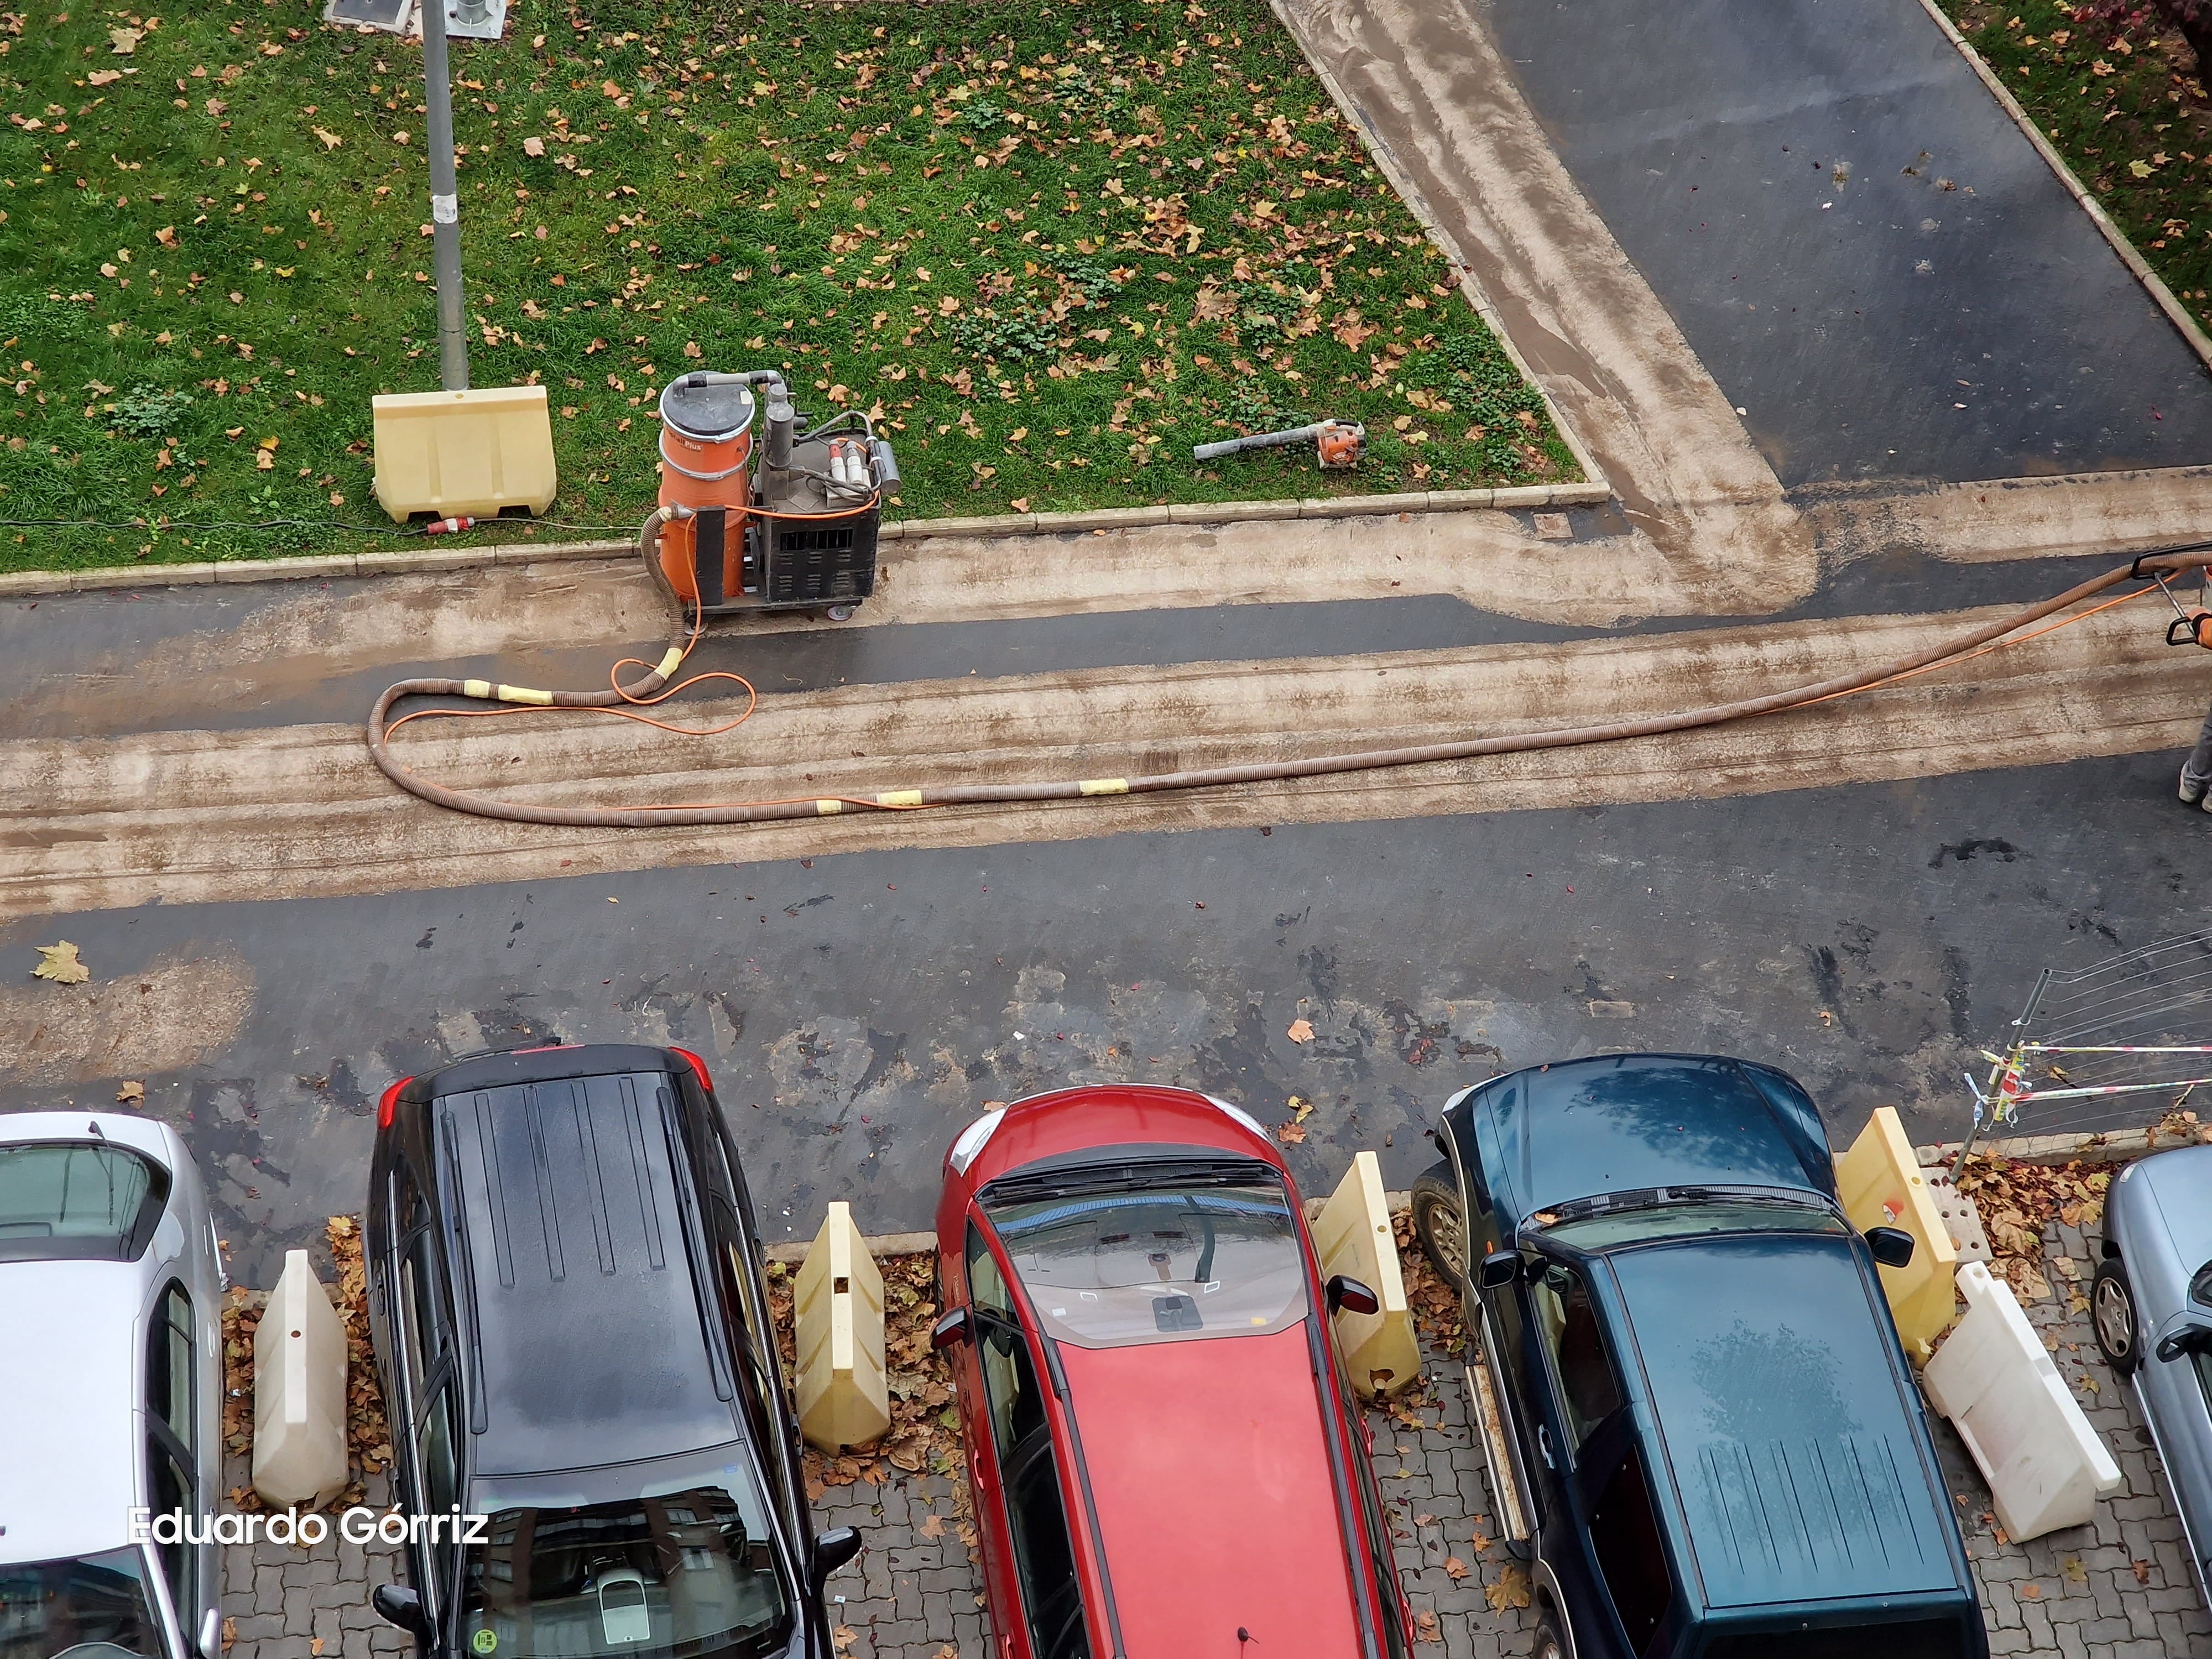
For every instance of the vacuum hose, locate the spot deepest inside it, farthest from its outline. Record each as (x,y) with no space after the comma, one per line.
(2144,568)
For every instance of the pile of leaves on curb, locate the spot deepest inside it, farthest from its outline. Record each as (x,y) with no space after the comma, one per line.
(2018,1200)
(369,1441)
(924,1437)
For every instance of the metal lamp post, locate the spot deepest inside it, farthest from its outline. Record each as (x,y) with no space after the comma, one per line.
(444,203)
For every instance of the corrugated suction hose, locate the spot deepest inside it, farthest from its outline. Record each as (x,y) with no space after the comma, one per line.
(2146,567)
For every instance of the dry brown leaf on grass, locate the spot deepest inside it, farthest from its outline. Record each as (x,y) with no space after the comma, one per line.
(533,147)
(123,42)
(60,964)
(104,77)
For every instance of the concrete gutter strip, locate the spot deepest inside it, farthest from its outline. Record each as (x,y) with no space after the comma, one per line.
(2175,314)
(1409,193)
(2115,1146)
(889,1244)
(417,560)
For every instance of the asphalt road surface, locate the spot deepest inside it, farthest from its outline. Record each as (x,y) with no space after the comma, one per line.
(857,1010)
(1865,251)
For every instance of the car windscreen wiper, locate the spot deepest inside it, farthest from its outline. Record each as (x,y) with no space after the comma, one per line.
(1124,1176)
(1652,1198)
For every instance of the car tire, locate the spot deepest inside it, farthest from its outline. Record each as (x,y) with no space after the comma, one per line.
(1439,1222)
(2113,1313)
(1547,1644)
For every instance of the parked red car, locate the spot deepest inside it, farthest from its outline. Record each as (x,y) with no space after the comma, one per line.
(1167,1459)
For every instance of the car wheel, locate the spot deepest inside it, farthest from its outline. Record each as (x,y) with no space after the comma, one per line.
(2112,1311)
(1547,1644)
(1439,1223)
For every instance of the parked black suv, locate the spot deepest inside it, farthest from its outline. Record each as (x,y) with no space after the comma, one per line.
(566,1302)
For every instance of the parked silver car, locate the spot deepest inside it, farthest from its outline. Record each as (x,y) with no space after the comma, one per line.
(111,1390)
(2152,1305)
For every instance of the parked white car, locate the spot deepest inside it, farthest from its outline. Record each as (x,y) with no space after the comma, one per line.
(111,1389)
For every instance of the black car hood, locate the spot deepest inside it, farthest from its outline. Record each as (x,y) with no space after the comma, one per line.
(1625,1121)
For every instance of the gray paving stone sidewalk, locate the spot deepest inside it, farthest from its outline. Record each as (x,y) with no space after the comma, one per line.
(2119,1588)
(280,1601)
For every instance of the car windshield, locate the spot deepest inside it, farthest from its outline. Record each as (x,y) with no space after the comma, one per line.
(92,1607)
(76,1201)
(677,1575)
(1684,1220)
(1105,1269)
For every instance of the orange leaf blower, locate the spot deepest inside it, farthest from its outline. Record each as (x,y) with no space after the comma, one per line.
(1337,444)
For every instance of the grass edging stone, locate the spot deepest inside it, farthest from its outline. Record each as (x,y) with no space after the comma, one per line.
(414,561)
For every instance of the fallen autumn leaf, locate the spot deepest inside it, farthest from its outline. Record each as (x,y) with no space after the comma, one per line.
(60,964)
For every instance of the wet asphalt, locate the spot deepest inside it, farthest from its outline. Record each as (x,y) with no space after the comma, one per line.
(857,1010)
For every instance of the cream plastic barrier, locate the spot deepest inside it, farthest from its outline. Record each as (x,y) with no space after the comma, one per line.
(1993,1378)
(1352,1236)
(1881,1185)
(299,1391)
(844,1394)
(456,453)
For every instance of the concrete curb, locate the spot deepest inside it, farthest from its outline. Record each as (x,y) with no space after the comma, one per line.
(2198,340)
(2114,1146)
(419,560)
(1386,161)
(887,1244)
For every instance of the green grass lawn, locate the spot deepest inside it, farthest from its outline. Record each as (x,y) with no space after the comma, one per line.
(1052,247)
(2129,115)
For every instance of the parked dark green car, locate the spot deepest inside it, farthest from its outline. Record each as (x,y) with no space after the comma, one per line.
(1701,1428)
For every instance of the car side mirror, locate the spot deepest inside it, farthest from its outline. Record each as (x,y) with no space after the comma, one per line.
(1348,1295)
(398,1605)
(211,1634)
(2190,1339)
(832,1550)
(1892,1246)
(958,1325)
(1500,1268)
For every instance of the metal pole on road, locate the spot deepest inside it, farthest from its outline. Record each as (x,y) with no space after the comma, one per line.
(445,201)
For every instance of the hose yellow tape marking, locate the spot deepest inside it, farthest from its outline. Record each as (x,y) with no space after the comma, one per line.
(899,798)
(1104,786)
(524,694)
(670,663)
(476,687)
(829,808)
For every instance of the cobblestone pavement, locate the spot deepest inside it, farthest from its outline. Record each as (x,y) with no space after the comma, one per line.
(284,1602)
(2119,1588)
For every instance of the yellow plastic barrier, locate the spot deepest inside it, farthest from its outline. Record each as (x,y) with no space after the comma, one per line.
(1880,1182)
(844,1396)
(299,1391)
(1352,1236)
(464,453)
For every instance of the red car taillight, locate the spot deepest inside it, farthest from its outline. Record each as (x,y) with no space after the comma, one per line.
(390,1103)
(698,1069)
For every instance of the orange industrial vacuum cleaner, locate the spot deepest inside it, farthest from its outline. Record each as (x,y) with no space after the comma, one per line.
(788,524)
